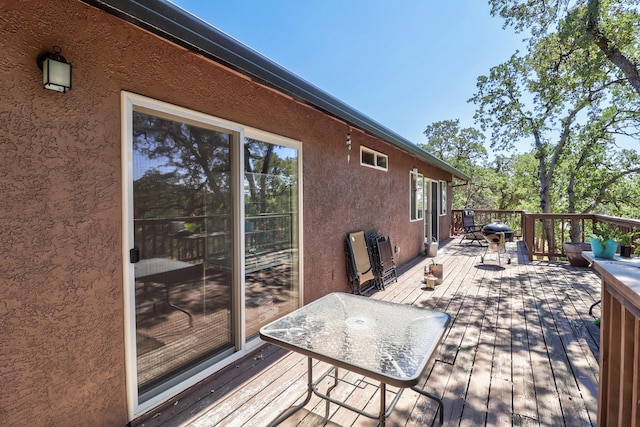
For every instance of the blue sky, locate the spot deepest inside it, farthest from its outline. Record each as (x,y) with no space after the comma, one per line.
(405,64)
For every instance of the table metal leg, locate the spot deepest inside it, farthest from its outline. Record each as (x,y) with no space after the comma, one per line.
(383,405)
(328,402)
(382,415)
(286,414)
(434,397)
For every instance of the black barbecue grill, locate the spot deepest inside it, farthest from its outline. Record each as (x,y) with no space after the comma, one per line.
(497,234)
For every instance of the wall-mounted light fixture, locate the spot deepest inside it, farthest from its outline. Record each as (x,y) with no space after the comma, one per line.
(349,147)
(415,170)
(56,71)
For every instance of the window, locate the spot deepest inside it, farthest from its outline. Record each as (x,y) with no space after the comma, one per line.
(443,197)
(371,158)
(416,196)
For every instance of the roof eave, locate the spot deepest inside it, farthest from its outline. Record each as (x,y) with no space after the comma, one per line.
(174,23)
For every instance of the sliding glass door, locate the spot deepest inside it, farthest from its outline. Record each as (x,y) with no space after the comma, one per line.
(211,243)
(183,240)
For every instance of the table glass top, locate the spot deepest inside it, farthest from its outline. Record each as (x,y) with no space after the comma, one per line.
(385,340)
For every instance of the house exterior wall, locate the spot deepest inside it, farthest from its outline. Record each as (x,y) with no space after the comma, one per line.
(62,360)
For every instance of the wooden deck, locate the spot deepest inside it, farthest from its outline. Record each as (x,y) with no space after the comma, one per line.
(521,349)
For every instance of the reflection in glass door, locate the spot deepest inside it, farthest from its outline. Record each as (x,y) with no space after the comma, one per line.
(271,232)
(183,235)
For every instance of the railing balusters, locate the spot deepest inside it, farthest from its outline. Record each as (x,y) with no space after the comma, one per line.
(619,384)
(530,227)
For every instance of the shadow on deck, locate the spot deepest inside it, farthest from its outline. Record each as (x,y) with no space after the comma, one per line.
(521,349)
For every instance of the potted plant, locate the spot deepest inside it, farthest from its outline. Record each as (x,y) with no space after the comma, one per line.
(573,252)
(604,241)
(626,243)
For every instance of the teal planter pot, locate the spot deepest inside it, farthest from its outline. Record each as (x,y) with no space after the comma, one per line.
(608,250)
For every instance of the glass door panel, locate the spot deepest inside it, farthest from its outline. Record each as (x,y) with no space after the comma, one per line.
(271,232)
(183,233)
(434,210)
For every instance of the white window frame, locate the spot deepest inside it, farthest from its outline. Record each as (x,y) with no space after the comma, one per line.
(416,197)
(376,159)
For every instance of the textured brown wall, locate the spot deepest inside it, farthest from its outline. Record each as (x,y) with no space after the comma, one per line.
(61,295)
(61,316)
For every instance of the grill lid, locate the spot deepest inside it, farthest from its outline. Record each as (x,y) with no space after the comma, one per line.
(497,227)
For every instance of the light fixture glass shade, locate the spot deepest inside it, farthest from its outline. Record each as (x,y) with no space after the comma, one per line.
(56,75)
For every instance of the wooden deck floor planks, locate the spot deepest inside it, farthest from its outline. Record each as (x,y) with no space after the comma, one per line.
(524,398)
(520,350)
(559,338)
(544,387)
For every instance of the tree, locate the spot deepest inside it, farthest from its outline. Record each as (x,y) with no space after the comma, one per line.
(593,168)
(463,149)
(610,25)
(521,182)
(559,95)
(546,95)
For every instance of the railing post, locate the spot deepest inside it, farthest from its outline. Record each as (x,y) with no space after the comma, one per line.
(528,233)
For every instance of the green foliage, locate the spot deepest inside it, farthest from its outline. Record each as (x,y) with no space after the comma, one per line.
(464,149)
(628,238)
(611,26)
(605,231)
(570,101)
(503,183)
(461,148)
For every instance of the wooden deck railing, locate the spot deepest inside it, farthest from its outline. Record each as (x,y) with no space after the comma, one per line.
(620,361)
(544,233)
(619,386)
(513,218)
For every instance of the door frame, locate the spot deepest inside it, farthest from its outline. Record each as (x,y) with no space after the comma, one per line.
(130,101)
(432,209)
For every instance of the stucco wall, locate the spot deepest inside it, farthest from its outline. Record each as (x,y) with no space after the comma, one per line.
(61,295)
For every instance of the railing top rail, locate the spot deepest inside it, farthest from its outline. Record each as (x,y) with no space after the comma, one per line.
(595,217)
(492,210)
(618,221)
(559,215)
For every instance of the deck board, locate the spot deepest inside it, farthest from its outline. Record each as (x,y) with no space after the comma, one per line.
(521,350)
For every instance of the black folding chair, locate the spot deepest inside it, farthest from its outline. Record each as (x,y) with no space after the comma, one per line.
(471,230)
(359,267)
(384,265)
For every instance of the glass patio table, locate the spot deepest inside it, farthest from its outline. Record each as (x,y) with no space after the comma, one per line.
(388,342)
